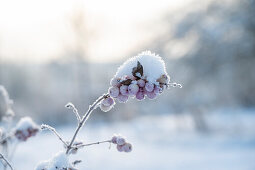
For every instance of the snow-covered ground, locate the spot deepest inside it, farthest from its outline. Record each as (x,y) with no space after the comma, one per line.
(159,142)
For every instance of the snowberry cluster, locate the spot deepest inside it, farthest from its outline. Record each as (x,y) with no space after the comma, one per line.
(122,145)
(138,87)
(25,129)
(140,76)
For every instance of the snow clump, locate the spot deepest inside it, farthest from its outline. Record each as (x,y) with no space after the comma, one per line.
(25,129)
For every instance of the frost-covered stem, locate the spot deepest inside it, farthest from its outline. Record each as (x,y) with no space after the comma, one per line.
(75,111)
(174,85)
(84,119)
(5,160)
(43,126)
(95,143)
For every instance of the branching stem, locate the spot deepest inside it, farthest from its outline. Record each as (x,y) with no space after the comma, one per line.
(84,119)
(55,132)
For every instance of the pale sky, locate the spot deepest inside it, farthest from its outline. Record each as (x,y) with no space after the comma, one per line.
(40,30)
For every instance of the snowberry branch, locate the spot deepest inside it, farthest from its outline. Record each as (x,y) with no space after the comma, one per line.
(84,119)
(6,161)
(48,127)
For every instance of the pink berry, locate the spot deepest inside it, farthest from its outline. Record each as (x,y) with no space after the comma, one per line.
(120,140)
(122,98)
(149,87)
(115,82)
(114,92)
(107,102)
(127,147)
(105,108)
(124,90)
(120,148)
(140,95)
(141,83)
(151,95)
(114,139)
(133,89)
(158,90)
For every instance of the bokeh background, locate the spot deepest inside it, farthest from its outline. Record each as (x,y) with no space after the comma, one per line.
(58,51)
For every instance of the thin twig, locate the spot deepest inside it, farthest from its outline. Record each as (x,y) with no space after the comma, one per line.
(75,111)
(44,126)
(174,85)
(5,160)
(94,143)
(84,119)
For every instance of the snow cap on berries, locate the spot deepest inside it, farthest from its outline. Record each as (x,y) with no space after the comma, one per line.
(25,128)
(152,64)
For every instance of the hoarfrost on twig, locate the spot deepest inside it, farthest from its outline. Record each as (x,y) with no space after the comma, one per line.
(75,111)
(48,127)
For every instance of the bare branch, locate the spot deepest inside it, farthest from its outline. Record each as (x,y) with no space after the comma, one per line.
(94,143)
(48,127)
(75,111)
(6,161)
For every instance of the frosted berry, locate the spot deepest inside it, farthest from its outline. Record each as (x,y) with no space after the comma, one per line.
(107,102)
(124,90)
(149,87)
(151,95)
(120,148)
(141,83)
(127,147)
(158,90)
(114,92)
(120,140)
(114,139)
(133,89)
(122,98)
(115,82)
(105,108)
(140,95)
